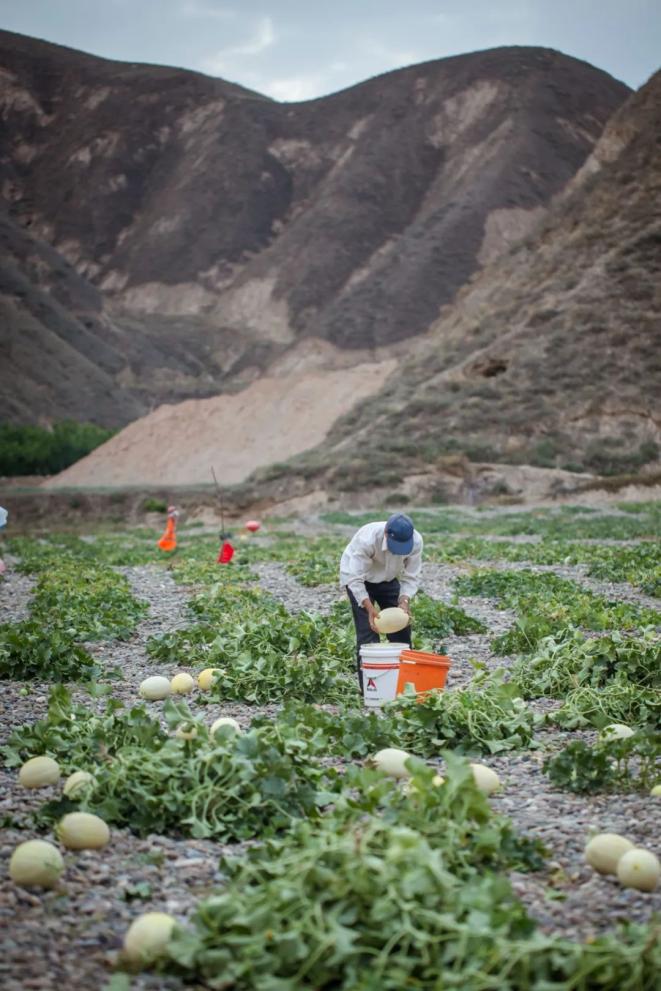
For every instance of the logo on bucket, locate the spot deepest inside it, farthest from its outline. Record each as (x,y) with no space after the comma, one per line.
(380,678)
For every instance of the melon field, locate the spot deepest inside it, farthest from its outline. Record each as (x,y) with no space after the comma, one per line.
(251,815)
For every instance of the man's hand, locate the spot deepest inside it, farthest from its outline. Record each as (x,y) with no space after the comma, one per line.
(404,604)
(371,613)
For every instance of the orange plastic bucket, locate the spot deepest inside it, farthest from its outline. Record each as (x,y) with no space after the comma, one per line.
(424,671)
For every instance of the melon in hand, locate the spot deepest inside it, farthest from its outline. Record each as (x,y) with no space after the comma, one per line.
(392,620)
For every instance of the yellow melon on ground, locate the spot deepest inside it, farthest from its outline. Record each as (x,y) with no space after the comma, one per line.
(39,772)
(36,863)
(186,731)
(485,778)
(78,783)
(225,721)
(639,869)
(206,678)
(82,831)
(615,731)
(147,937)
(391,761)
(155,688)
(182,683)
(603,852)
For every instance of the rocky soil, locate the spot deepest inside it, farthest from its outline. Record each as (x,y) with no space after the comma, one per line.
(70,936)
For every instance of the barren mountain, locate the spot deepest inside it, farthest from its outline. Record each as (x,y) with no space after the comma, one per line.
(551,356)
(169,235)
(55,340)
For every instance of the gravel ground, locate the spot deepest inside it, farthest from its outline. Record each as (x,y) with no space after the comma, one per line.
(274,578)
(570,898)
(15,594)
(70,936)
(437,582)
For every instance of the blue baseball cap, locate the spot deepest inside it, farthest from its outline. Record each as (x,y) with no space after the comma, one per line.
(399,534)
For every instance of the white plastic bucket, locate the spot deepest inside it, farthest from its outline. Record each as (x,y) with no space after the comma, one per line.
(378,651)
(379,664)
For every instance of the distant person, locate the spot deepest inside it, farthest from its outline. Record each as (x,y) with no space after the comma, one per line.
(381,563)
(3,522)
(168,541)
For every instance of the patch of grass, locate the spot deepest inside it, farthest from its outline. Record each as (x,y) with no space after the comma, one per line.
(91,603)
(317,562)
(486,717)
(618,701)
(229,786)
(76,736)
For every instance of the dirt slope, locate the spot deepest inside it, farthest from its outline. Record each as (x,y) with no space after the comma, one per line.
(269,421)
(217,231)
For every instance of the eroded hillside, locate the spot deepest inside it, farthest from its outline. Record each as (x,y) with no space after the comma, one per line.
(552,355)
(205,233)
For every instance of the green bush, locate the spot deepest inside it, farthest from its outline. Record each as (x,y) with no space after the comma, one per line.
(151,505)
(600,456)
(31,450)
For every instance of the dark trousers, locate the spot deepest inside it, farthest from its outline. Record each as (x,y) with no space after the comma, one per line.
(385,594)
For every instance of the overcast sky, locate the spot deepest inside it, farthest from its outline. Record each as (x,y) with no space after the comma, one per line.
(299,49)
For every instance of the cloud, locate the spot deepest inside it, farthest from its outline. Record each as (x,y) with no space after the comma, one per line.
(227,60)
(306,86)
(263,38)
(197,9)
(295,88)
(391,58)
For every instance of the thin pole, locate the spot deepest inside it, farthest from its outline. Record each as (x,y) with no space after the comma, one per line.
(222,502)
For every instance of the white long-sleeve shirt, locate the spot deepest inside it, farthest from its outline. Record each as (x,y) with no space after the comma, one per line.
(367,558)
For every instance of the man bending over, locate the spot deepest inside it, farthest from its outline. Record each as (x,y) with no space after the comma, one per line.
(381,563)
